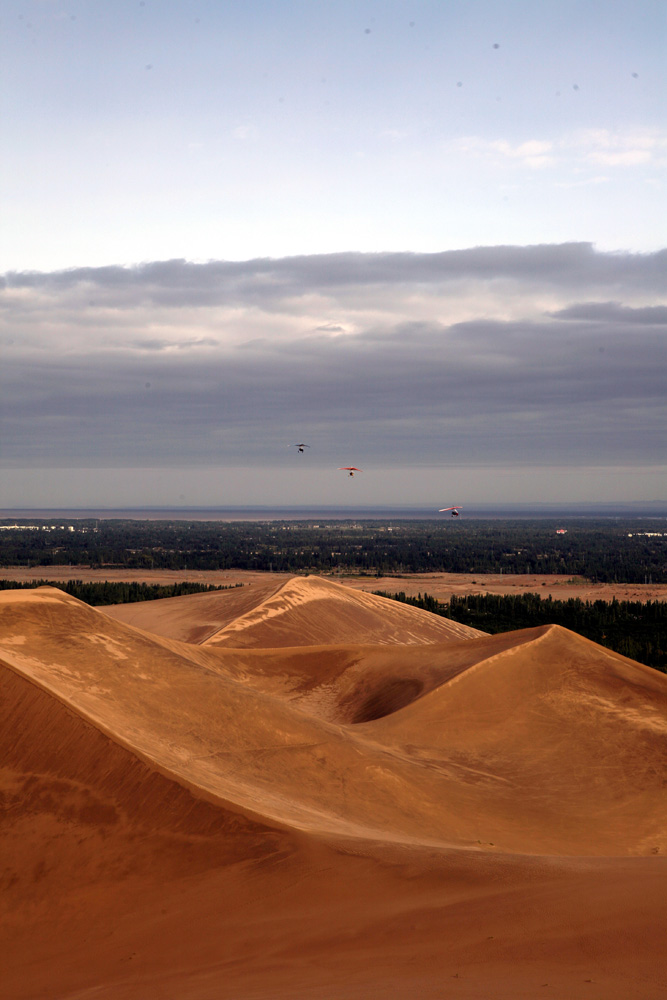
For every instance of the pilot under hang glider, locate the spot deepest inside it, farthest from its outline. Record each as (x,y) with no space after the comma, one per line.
(454,510)
(351,469)
(301,446)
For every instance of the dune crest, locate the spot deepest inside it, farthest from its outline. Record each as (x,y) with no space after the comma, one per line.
(302,611)
(312,611)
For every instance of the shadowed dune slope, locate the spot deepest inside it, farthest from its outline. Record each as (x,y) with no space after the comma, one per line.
(352,683)
(309,611)
(336,820)
(63,779)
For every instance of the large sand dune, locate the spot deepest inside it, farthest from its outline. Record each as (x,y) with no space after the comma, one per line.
(354,801)
(303,611)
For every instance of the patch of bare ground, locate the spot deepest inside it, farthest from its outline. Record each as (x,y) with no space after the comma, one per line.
(443,586)
(215,577)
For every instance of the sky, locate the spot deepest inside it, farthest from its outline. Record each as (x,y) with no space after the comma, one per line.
(426,238)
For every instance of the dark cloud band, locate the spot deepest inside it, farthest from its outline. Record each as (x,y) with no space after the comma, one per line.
(581,384)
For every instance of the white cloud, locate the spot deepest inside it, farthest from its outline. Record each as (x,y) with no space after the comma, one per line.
(628,158)
(572,151)
(246,133)
(531,153)
(630,148)
(585,182)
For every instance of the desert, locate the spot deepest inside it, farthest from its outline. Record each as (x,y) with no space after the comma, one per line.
(296,788)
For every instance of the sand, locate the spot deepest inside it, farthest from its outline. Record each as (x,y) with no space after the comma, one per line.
(443,586)
(298,611)
(439,585)
(297,790)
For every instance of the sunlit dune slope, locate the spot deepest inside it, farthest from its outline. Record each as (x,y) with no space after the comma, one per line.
(536,742)
(194,617)
(309,611)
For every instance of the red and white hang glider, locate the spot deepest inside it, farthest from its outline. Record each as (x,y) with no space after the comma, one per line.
(454,510)
(351,469)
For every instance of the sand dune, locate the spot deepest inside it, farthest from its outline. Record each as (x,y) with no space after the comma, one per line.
(383,812)
(303,611)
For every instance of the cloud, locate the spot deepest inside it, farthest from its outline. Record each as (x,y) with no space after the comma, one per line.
(614,312)
(574,151)
(546,354)
(212,306)
(622,148)
(265,280)
(532,153)
(245,132)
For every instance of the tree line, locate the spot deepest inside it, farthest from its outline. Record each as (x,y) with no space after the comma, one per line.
(612,550)
(99,594)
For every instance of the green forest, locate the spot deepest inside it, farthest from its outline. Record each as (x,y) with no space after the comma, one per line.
(611,550)
(633,628)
